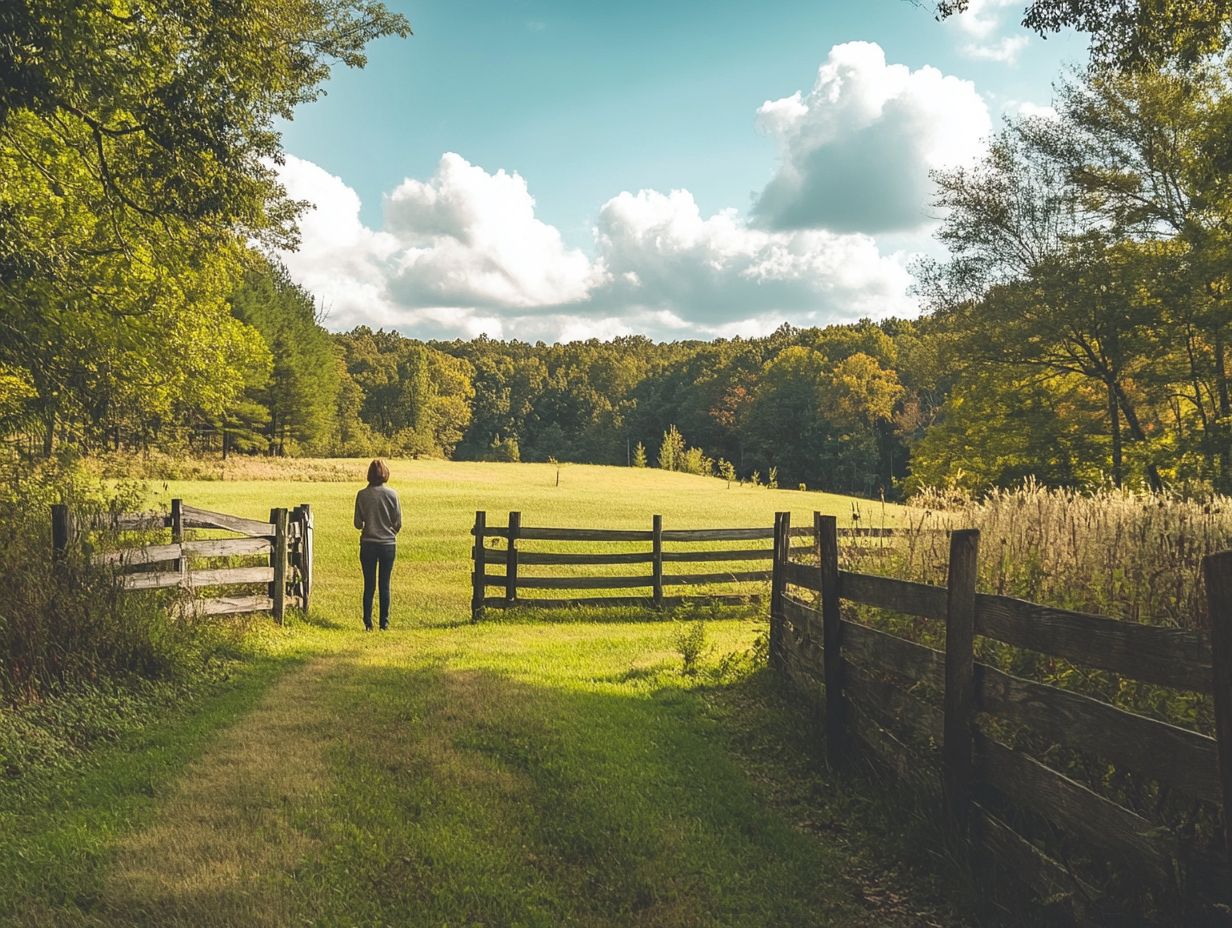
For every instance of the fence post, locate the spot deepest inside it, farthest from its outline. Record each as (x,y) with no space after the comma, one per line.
(511,563)
(776,594)
(1217,571)
(177,536)
(477,572)
(959,675)
(305,555)
(61,531)
(826,529)
(279,558)
(656,550)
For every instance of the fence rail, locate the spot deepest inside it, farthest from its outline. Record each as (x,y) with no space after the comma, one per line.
(947,721)
(513,579)
(285,542)
(654,551)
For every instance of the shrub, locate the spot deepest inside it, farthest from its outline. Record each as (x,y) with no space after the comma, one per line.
(67,623)
(690,643)
(695,461)
(671,450)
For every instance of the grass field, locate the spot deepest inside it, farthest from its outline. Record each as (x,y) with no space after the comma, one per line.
(516,772)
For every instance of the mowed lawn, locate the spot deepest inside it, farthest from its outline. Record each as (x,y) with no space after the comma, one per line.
(528,770)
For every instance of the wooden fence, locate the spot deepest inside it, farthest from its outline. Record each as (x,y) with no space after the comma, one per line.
(284,543)
(663,549)
(873,690)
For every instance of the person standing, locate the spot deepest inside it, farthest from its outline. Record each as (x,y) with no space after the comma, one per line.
(378,516)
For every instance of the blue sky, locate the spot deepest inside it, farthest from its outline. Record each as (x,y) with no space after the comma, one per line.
(542,169)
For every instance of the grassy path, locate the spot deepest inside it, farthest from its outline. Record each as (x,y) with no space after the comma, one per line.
(511,773)
(506,775)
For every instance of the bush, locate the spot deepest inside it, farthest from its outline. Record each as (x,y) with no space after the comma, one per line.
(67,624)
(690,642)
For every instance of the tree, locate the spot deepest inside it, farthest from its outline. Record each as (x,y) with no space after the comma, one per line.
(1097,244)
(639,455)
(997,429)
(1037,281)
(301,393)
(138,148)
(1131,34)
(785,422)
(672,450)
(151,116)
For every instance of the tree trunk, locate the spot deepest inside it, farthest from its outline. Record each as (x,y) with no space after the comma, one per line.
(1135,430)
(1114,418)
(1225,408)
(49,433)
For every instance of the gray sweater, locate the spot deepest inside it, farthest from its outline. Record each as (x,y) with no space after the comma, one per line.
(378,514)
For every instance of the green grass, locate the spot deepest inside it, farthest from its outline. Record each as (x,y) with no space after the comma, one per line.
(515,772)
(439,500)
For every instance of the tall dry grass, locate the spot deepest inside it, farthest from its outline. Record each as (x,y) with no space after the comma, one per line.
(1113,552)
(1130,556)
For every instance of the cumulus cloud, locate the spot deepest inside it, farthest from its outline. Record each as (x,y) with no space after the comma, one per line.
(462,252)
(470,238)
(981,22)
(856,150)
(662,254)
(340,261)
(1025,109)
(1005,49)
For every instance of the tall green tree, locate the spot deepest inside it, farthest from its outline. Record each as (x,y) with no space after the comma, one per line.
(301,393)
(1131,34)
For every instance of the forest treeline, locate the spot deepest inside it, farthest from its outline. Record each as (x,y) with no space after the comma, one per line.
(1077,331)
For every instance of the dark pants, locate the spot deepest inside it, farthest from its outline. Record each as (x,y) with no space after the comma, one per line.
(373,555)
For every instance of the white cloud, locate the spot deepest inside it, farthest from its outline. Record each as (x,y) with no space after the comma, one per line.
(1025,109)
(715,271)
(1005,50)
(471,238)
(983,18)
(463,252)
(856,150)
(340,261)
(981,22)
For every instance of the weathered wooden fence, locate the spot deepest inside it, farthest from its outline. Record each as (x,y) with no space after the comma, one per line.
(664,548)
(284,542)
(947,721)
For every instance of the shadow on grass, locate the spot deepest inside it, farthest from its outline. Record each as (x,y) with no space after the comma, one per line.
(469,796)
(560,787)
(621,615)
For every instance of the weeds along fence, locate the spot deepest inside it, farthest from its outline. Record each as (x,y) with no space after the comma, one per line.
(502,547)
(1081,800)
(284,545)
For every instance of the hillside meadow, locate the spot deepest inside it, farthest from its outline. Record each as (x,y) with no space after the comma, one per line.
(439,500)
(528,770)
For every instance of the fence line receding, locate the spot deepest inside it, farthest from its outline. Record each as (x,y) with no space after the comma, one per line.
(1008,758)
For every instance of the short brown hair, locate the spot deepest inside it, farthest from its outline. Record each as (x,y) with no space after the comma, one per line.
(378,472)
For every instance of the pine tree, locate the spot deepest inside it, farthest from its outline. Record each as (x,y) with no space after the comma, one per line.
(639,455)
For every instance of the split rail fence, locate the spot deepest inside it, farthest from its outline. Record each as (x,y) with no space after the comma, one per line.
(949,722)
(653,549)
(284,543)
